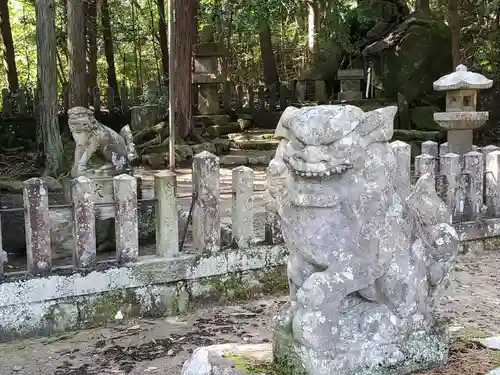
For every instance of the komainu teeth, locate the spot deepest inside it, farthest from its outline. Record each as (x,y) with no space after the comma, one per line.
(328,173)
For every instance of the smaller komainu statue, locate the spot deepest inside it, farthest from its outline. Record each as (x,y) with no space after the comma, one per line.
(92,137)
(368,262)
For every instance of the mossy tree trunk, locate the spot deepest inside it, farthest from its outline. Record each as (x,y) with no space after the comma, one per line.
(8,52)
(91,33)
(184,26)
(78,94)
(271,76)
(48,127)
(109,49)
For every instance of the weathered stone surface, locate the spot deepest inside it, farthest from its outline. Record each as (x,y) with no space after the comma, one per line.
(233,160)
(216,359)
(92,137)
(206,213)
(461,78)
(368,262)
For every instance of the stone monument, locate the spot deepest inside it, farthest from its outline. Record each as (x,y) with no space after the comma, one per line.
(367,263)
(208,55)
(461,118)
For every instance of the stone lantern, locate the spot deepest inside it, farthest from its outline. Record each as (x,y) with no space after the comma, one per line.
(461,117)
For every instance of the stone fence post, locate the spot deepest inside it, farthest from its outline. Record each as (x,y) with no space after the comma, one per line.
(83,223)
(492,175)
(474,167)
(402,153)
(167,226)
(425,164)
(242,207)
(450,169)
(206,214)
(126,218)
(37,225)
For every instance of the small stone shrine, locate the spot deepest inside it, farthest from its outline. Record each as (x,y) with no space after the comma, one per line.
(208,62)
(350,84)
(461,117)
(369,258)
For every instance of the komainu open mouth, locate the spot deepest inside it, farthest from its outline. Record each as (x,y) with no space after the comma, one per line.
(324,171)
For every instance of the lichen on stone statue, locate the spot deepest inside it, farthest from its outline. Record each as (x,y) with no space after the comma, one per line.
(92,137)
(367,265)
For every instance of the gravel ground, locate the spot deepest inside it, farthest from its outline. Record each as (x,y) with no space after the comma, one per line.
(161,346)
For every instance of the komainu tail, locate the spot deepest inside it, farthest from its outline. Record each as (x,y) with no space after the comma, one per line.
(127,136)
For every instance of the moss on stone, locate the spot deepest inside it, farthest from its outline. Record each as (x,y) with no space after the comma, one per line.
(103,307)
(274,280)
(251,366)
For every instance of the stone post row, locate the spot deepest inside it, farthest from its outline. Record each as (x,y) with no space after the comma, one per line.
(242,207)
(167,227)
(37,226)
(206,213)
(126,218)
(84,232)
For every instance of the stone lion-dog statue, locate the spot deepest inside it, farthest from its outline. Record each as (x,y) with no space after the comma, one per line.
(92,137)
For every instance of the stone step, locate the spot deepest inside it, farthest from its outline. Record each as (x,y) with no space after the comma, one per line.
(265,144)
(246,157)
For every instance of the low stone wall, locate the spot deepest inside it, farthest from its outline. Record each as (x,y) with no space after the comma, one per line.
(151,287)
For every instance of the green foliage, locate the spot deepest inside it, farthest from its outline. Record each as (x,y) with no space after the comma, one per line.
(134,25)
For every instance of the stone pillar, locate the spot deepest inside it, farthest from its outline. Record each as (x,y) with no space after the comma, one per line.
(492,177)
(450,169)
(167,226)
(126,220)
(474,167)
(402,153)
(84,255)
(206,214)
(37,224)
(242,212)
(425,164)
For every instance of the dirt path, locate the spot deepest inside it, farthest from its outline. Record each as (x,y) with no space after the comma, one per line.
(161,346)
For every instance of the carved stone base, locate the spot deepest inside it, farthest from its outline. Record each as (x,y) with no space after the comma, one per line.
(421,350)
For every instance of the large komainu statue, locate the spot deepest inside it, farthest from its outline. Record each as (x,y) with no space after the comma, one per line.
(368,263)
(92,137)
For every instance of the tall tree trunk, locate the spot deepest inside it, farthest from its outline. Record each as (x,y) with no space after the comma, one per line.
(91,33)
(454,22)
(8,53)
(78,93)
(48,127)
(185,17)
(313,29)
(162,30)
(271,76)
(109,50)
(423,5)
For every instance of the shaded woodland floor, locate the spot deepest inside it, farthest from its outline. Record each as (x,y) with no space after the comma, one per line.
(471,308)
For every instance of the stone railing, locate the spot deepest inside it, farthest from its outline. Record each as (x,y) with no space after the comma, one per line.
(469,184)
(46,298)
